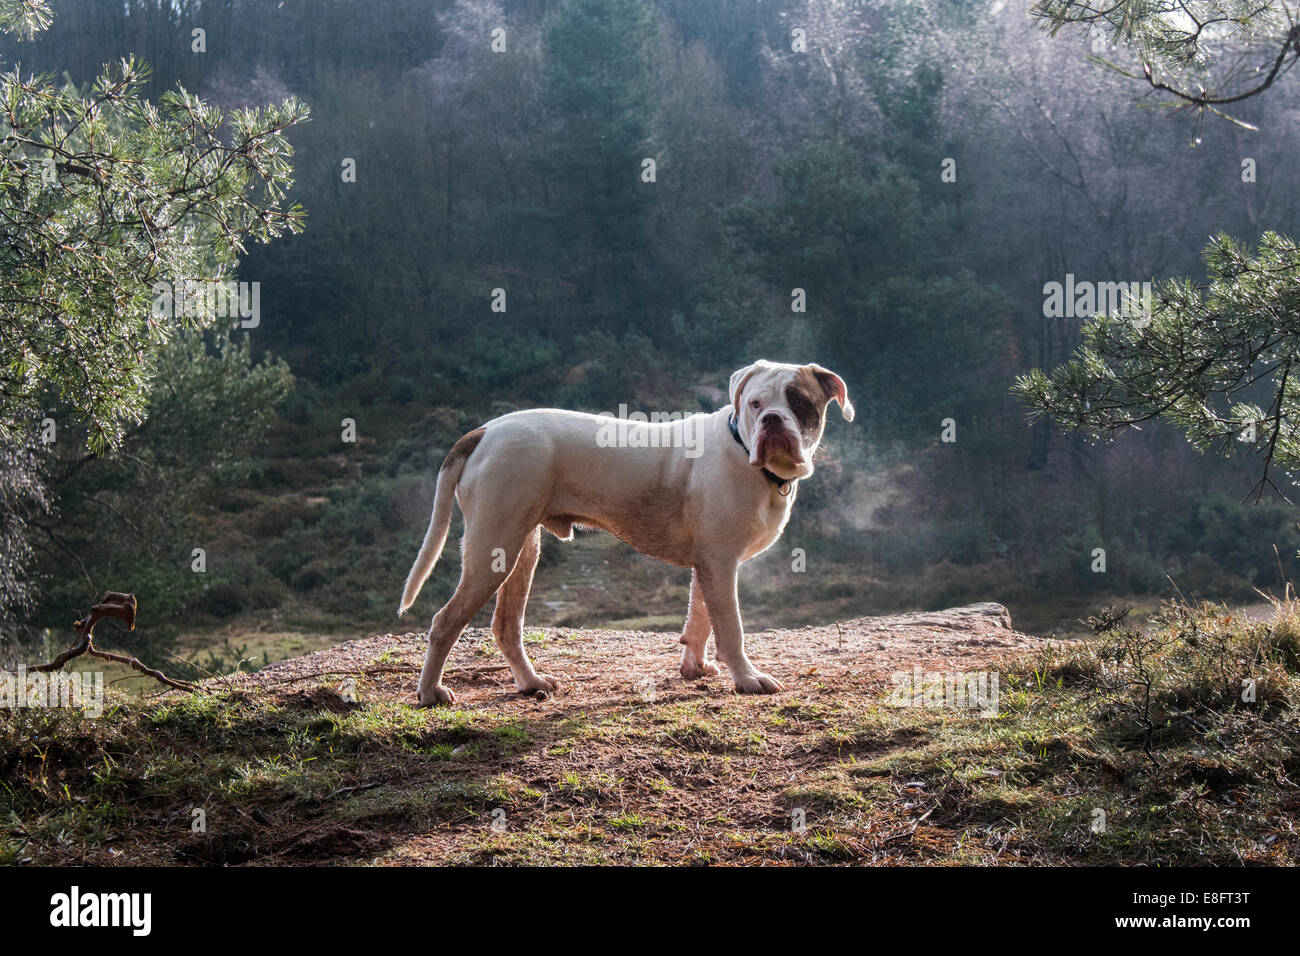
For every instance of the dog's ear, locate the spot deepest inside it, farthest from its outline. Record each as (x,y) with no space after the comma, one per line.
(738,379)
(835,388)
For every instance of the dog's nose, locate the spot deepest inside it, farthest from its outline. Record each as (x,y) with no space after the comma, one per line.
(771,418)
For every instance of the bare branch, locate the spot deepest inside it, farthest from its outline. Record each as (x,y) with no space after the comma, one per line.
(123,607)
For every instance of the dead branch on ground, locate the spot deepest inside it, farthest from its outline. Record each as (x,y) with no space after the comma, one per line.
(123,607)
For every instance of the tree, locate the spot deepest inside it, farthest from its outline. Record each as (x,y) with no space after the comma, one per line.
(1199,54)
(101,196)
(210,406)
(597,82)
(22,496)
(1214,360)
(884,300)
(1221,361)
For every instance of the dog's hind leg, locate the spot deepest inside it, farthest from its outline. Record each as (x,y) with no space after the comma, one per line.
(508,619)
(695,635)
(486,562)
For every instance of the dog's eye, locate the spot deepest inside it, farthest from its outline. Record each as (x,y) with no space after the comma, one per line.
(755,403)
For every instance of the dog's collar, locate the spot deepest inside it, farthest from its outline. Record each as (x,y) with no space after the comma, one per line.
(782,484)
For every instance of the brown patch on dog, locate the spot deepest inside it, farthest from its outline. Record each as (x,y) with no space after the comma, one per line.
(808,397)
(834,387)
(463,447)
(822,386)
(809,383)
(808,411)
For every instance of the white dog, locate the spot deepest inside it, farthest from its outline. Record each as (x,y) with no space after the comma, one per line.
(708,492)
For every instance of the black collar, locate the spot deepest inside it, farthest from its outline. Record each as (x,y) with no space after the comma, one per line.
(782,484)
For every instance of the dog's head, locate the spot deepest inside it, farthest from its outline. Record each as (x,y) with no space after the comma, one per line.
(780,411)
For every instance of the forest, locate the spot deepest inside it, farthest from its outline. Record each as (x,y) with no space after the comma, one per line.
(582,203)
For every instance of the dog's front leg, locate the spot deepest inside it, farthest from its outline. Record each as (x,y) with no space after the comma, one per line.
(718,584)
(695,635)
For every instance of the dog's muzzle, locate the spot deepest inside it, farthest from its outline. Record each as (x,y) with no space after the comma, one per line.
(775,438)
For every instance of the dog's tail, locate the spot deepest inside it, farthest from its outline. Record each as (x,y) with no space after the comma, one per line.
(440,520)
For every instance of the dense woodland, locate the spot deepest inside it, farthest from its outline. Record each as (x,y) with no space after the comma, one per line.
(775,170)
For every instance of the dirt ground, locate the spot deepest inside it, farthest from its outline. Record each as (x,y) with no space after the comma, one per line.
(630,763)
(601,668)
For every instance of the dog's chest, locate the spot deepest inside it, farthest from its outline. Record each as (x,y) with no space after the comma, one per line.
(770,518)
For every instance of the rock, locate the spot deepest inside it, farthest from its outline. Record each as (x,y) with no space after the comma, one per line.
(970,617)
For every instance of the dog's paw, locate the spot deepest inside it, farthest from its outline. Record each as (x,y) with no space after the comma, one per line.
(693,669)
(757,683)
(542,685)
(439,696)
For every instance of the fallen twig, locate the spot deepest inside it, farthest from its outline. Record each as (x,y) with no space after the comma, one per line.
(122,606)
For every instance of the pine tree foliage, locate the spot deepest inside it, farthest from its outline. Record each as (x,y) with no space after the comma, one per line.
(1199,54)
(1220,361)
(102,194)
